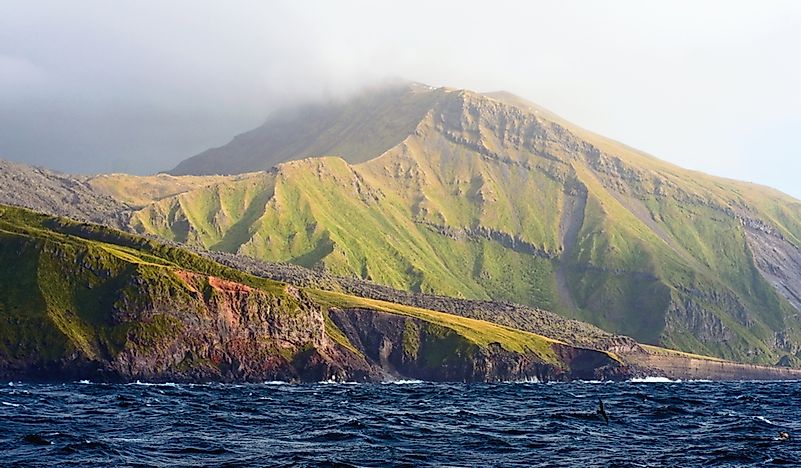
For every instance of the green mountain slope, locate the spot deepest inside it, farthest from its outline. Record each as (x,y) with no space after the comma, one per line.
(489,196)
(83,301)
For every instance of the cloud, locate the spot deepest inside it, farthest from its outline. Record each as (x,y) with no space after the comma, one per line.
(19,78)
(150,83)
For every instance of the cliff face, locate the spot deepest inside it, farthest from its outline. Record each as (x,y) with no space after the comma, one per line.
(227,331)
(409,347)
(73,306)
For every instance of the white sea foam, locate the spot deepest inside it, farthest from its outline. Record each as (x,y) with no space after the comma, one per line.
(85,382)
(403,382)
(9,404)
(154,384)
(653,380)
(275,382)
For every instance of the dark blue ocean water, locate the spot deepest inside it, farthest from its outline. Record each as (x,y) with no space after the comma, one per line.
(400,424)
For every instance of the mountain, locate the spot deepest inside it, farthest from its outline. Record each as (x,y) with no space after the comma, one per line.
(487,196)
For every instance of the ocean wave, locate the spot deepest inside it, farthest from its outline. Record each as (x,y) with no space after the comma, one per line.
(410,423)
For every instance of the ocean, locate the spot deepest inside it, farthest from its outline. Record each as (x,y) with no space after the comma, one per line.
(650,423)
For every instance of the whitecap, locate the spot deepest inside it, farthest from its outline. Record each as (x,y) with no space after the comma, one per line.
(766,420)
(527,380)
(9,404)
(275,382)
(403,382)
(85,382)
(338,382)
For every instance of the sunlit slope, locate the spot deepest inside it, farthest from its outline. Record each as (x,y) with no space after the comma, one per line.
(492,197)
(139,191)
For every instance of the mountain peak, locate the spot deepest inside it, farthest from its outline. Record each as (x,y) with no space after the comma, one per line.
(357,129)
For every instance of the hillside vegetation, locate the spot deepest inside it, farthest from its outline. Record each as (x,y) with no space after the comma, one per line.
(80,300)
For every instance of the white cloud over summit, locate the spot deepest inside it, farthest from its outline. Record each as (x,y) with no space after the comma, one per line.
(95,86)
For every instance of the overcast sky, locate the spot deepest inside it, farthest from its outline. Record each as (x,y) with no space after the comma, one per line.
(138,86)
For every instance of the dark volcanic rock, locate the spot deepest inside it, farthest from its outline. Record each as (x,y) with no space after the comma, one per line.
(58,194)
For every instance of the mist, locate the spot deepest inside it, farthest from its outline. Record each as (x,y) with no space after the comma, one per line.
(97,86)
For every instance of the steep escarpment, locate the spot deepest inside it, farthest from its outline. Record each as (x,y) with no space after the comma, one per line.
(777,258)
(235,333)
(74,307)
